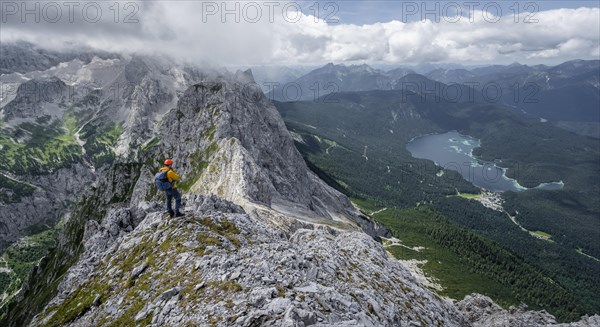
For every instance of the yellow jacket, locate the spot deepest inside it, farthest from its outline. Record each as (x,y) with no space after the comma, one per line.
(171,175)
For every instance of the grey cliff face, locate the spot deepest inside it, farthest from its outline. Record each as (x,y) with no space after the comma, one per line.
(250,156)
(36,98)
(23,57)
(96,92)
(53,192)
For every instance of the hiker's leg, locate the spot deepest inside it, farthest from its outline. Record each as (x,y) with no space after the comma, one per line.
(177,196)
(169,195)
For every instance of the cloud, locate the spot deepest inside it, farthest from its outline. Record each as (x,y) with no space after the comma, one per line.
(255,33)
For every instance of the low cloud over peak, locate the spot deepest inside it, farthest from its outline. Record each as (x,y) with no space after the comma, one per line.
(245,33)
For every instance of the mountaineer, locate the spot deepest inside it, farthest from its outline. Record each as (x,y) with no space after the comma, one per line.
(166,180)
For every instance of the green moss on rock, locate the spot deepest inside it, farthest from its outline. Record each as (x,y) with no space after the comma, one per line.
(199,162)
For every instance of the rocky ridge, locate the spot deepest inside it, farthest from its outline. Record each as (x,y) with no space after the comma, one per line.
(221,265)
(264,241)
(229,140)
(481,311)
(200,134)
(97,93)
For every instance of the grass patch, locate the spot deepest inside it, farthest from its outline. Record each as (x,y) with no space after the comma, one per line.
(101,143)
(77,303)
(280,291)
(229,286)
(39,149)
(127,318)
(199,162)
(150,144)
(469,196)
(224,228)
(209,134)
(541,235)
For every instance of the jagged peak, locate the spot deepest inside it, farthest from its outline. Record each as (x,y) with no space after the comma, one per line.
(245,76)
(228,139)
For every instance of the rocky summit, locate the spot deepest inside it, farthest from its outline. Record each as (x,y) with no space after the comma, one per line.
(264,242)
(222,265)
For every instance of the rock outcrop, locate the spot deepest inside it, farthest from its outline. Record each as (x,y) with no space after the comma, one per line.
(229,139)
(481,311)
(222,265)
(51,194)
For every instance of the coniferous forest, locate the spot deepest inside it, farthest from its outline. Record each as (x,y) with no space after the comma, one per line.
(358,145)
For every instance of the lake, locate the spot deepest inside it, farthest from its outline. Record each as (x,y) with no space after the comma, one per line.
(454,151)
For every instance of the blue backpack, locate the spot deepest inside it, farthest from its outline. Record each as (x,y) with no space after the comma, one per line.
(162,182)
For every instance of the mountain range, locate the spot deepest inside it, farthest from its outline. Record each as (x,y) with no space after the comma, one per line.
(565,95)
(265,241)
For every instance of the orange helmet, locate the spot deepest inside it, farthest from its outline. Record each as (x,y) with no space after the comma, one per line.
(168,162)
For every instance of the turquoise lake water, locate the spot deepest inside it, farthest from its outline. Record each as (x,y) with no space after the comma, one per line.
(454,151)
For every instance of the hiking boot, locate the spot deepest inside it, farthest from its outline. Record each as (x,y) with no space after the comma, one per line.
(179,214)
(170,213)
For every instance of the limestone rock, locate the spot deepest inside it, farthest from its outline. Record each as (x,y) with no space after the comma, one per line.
(264,242)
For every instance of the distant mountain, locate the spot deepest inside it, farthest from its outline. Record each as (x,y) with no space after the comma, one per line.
(423,68)
(338,78)
(450,75)
(505,74)
(433,90)
(327,82)
(574,67)
(333,79)
(398,73)
(266,75)
(567,95)
(500,69)
(23,57)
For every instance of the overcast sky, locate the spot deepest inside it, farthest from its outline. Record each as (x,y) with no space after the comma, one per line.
(374,32)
